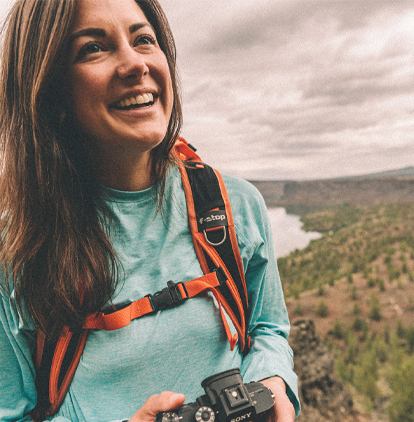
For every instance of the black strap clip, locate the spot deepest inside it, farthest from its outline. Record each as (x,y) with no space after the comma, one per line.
(168,297)
(221,275)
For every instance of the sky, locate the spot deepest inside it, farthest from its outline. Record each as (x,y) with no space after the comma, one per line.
(296,89)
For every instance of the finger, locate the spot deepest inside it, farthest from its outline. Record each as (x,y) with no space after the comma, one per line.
(158,403)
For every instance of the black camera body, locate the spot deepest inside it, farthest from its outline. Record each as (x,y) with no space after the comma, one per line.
(227,399)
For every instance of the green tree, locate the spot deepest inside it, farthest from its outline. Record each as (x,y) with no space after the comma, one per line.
(322,311)
(298,309)
(401,408)
(366,376)
(375,309)
(337,330)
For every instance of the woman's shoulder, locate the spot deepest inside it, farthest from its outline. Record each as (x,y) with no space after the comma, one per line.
(241,191)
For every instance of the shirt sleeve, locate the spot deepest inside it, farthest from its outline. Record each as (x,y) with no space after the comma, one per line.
(270,354)
(18,395)
(17,387)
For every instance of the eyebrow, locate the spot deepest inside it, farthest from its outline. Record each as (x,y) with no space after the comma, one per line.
(101,33)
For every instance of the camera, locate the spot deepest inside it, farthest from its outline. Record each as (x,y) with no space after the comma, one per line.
(227,399)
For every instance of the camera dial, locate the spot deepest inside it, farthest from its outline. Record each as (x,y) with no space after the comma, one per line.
(169,417)
(204,414)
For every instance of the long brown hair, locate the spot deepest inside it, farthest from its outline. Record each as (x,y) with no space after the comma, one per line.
(53,243)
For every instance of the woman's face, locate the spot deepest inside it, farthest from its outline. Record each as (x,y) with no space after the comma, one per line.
(119,83)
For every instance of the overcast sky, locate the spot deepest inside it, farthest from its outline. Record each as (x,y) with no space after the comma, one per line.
(296,89)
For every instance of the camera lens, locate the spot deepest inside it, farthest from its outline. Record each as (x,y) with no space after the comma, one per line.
(205,414)
(169,417)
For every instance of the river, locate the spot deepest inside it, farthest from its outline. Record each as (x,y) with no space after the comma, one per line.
(287,232)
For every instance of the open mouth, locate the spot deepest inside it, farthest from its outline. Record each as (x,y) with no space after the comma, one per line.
(140,101)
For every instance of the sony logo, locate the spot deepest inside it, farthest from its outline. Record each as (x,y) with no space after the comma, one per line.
(242,418)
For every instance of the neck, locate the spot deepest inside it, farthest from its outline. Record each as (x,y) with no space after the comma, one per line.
(123,173)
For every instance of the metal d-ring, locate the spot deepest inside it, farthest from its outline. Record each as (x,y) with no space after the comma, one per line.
(219,243)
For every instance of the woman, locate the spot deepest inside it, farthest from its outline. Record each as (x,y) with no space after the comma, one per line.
(93,216)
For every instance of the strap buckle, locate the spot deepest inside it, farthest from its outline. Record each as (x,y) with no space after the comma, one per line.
(221,275)
(168,297)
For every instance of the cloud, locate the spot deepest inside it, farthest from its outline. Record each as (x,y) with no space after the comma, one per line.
(297,88)
(311,82)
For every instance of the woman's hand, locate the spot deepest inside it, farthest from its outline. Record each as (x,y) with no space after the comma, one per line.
(284,410)
(159,403)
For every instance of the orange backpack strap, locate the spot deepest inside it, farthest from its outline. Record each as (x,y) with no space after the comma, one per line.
(215,243)
(56,364)
(57,361)
(172,295)
(214,235)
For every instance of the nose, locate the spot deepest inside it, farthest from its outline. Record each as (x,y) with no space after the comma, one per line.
(131,64)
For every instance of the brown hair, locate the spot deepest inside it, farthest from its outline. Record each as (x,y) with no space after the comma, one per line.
(53,241)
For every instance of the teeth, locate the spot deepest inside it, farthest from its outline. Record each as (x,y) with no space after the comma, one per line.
(139,99)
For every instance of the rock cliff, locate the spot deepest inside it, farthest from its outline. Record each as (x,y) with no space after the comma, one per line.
(323,397)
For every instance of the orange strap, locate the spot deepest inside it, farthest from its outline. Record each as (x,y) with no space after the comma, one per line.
(144,306)
(184,151)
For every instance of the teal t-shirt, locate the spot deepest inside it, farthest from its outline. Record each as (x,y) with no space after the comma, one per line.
(177,348)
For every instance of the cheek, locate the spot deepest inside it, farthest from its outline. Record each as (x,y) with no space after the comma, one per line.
(161,72)
(86,88)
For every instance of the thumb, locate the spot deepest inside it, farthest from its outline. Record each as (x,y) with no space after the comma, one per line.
(158,403)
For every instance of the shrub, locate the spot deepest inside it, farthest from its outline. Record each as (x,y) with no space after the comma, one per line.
(337,330)
(375,310)
(401,408)
(400,329)
(358,324)
(341,369)
(321,290)
(354,294)
(381,349)
(352,349)
(366,376)
(356,310)
(409,336)
(298,309)
(387,334)
(322,311)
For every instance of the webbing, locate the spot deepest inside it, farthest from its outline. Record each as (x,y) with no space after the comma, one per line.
(141,307)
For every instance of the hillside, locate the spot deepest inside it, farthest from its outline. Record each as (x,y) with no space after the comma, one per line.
(312,195)
(270,190)
(356,284)
(301,197)
(350,295)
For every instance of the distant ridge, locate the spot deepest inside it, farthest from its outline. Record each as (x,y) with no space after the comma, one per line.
(404,172)
(300,197)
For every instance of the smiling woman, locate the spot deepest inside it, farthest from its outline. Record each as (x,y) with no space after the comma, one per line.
(94,218)
(115,60)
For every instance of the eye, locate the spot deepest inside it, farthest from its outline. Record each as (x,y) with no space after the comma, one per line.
(145,40)
(92,47)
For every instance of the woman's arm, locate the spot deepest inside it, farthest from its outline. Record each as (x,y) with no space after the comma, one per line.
(283,408)
(270,357)
(17,387)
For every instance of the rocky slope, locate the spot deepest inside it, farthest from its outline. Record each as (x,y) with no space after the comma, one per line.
(323,397)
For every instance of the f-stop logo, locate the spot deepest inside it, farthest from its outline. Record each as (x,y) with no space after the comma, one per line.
(212,218)
(242,418)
